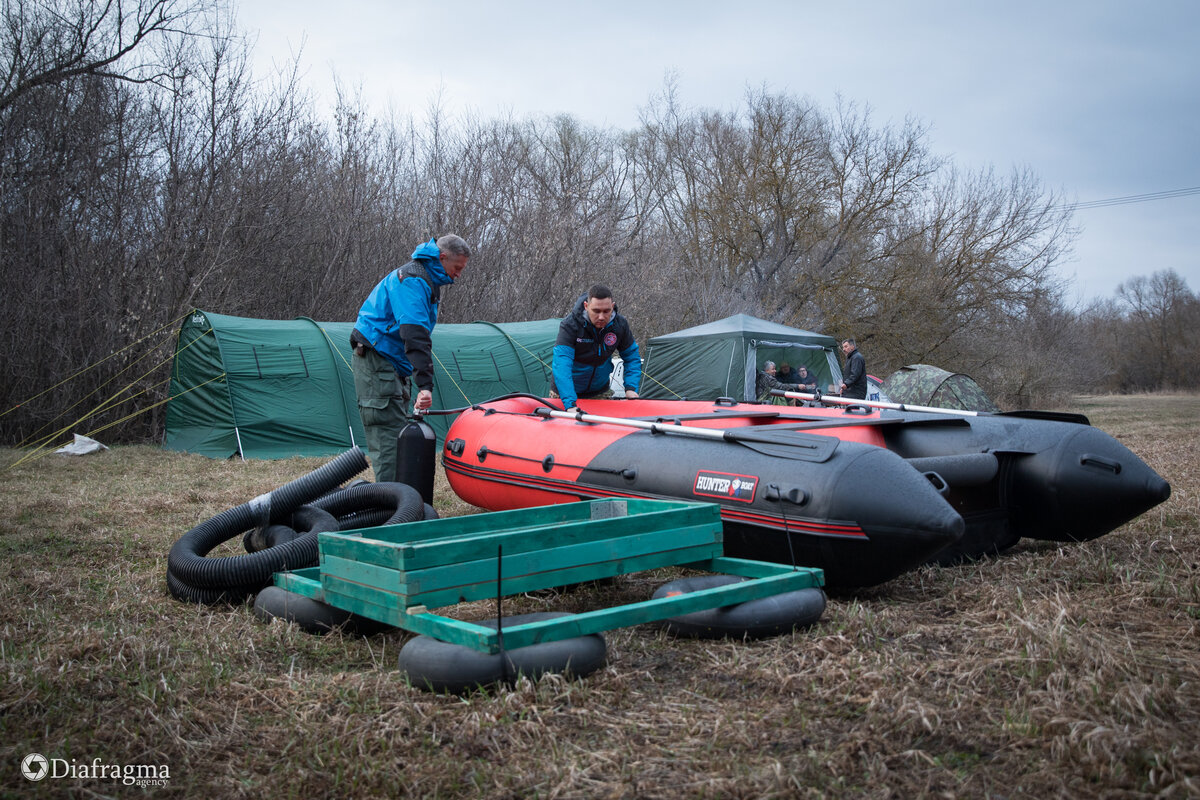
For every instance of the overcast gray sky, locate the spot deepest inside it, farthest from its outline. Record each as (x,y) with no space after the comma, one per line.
(1101,99)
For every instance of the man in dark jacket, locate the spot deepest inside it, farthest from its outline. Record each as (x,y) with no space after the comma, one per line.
(854,377)
(587,338)
(806,381)
(391,341)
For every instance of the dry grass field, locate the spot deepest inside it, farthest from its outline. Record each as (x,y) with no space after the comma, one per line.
(1054,670)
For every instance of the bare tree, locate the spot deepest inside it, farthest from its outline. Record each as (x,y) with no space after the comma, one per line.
(1164,314)
(46,42)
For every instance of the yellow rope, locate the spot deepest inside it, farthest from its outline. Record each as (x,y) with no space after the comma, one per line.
(125,369)
(333,346)
(663,385)
(45,451)
(93,366)
(451,377)
(102,407)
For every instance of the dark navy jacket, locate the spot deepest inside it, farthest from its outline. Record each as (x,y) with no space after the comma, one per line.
(583,355)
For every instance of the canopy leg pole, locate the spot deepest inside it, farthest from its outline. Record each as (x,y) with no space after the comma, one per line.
(238,435)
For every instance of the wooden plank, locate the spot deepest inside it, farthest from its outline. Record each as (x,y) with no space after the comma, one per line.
(451,550)
(655,609)
(389,580)
(306,582)
(468,524)
(376,611)
(748,568)
(560,577)
(486,640)
(483,570)
(391,602)
(378,545)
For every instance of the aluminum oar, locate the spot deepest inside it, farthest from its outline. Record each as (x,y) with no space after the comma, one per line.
(846,401)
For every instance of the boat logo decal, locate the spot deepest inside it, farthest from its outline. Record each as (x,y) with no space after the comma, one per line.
(610,339)
(727,485)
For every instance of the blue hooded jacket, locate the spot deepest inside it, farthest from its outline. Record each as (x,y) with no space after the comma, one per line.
(583,355)
(400,312)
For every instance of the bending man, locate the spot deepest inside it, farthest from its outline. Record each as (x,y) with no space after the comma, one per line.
(587,339)
(391,341)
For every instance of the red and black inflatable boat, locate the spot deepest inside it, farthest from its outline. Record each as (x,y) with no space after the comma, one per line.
(865,494)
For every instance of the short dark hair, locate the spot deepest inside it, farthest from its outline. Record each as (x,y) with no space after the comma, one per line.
(599,292)
(850,341)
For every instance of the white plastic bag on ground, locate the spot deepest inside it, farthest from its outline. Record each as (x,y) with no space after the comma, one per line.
(81,446)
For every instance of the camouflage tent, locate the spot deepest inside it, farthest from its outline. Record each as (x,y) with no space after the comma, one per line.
(922,384)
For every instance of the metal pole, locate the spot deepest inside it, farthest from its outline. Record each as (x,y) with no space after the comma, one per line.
(847,401)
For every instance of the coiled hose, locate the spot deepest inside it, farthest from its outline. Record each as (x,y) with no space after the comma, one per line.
(193,577)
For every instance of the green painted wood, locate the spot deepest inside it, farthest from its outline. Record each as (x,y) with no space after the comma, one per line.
(486,640)
(748,568)
(392,615)
(392,602)
(356,572)
(524,583)
(540,516)
(439,563)
(622,548)
(550,541)
(301,581)
(421,581)
(419,550)
(378,545)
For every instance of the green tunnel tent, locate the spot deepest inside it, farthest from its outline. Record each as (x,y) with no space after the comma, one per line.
(926,385)
(721,358)
(264,388)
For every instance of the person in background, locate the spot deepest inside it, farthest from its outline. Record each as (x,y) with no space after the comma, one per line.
(587,338)
(806,382)
(854,377)
(766,381)
(786,373)
(391,342)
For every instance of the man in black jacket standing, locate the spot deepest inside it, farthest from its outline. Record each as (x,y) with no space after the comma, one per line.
(854,378)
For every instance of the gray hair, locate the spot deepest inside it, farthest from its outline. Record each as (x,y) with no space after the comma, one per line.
(767,365)
(454,244)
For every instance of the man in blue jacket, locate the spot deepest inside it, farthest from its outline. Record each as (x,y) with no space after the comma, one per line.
(587,339)
(391,341)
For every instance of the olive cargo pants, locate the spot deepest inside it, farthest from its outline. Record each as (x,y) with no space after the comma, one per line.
(383,406)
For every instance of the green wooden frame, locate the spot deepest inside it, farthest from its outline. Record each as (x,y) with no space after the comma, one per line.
(395,574)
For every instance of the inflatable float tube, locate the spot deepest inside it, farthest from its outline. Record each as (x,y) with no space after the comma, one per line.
(312,615)
(753,619)
(438,666)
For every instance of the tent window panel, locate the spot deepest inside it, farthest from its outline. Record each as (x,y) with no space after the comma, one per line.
(265,361)
(474,365)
